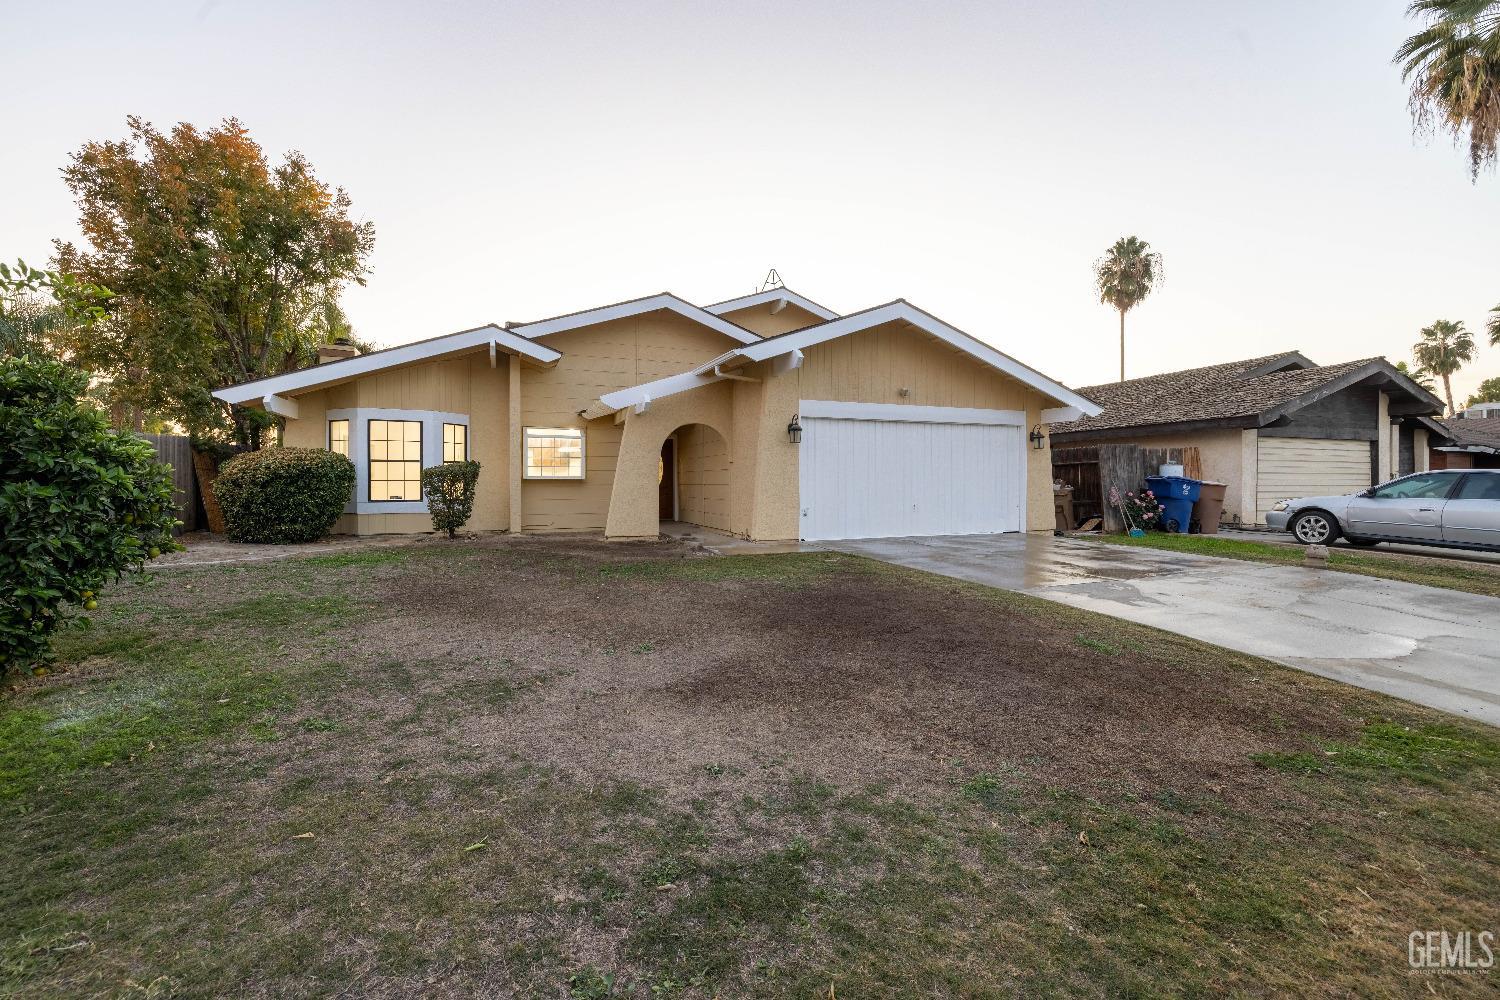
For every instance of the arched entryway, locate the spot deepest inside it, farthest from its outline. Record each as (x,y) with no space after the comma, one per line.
(693,477)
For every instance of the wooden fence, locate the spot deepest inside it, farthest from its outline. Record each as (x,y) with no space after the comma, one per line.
(1091,471)
(174,450)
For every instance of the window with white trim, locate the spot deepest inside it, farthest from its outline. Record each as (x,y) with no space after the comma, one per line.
(338,437)
(396,460)
(455,443)
(554,452)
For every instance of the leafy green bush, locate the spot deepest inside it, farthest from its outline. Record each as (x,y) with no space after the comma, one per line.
(283,495)
(79,503)
(450,494)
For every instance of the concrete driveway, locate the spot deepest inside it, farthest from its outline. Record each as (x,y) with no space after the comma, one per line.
(1436,647)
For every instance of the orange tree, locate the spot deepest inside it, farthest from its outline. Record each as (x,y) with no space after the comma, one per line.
(79,503)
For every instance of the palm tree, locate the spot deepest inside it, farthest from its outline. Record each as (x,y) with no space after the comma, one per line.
(1492,327)
(1453,68)
(1445,347)
(1126,275)
(1417,375)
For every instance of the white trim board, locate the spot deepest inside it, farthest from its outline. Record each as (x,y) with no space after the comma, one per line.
(635,307)
(830,409)
(363,364)
(772,295)
(927,323)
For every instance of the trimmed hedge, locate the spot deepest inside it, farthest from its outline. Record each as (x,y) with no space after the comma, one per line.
(283,495)
(450,494)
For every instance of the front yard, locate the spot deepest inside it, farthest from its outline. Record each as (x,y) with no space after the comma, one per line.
(562,768)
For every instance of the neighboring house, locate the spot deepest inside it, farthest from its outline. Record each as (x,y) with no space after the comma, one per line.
(1471,440)
(1272,427)
(616,418)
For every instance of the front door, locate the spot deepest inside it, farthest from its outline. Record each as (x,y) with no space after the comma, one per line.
(666,489)
(1404,508)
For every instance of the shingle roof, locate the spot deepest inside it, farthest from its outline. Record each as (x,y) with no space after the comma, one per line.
(1482,433)
(1216,392)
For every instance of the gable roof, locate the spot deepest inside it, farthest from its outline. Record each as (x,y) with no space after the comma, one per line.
(496,337)
(792,343)
(635,307)
(1249,393)
(772,295)
(1481,434)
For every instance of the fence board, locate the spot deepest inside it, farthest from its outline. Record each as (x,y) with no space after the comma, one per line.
(174,450)
(1094,469)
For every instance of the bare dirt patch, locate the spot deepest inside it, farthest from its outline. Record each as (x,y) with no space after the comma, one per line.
(561,767)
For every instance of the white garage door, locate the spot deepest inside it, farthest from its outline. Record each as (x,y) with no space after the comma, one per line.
(866,475)
(1308,467)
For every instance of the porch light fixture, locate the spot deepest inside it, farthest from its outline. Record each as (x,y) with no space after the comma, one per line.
(1036,437)
(794,430)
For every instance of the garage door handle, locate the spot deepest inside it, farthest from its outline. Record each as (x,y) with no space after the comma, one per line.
(1426,510)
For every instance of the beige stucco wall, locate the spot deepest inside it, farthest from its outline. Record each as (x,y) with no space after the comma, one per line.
(633,507)
(1223,456)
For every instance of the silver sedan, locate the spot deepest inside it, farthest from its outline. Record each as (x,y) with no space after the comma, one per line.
(1456,508)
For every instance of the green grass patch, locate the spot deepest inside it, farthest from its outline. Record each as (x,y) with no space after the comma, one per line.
(1422,753)
(1472,578)
(367,557)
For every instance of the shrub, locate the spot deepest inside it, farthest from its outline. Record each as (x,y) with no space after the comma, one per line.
(283,495)
(450,494)
(79,504)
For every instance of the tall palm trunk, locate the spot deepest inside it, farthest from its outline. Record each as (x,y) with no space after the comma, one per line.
(1448,391)
(1122,345)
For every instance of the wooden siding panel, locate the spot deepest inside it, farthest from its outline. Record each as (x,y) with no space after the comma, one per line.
(874,365)
(597,360)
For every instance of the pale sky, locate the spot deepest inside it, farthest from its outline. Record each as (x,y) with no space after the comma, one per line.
(521,160)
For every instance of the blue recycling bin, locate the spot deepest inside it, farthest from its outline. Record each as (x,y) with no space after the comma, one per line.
(1177,494)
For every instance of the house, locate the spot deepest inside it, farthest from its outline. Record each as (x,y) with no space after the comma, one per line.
(1469,441)
(767,416)
(1271,427)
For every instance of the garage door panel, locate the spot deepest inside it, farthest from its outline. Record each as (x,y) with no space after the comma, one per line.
(1304,467)
(886,478)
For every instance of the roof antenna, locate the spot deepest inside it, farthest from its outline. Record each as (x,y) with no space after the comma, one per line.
(773,280)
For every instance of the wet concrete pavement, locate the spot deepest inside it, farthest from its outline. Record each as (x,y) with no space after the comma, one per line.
(1439,648)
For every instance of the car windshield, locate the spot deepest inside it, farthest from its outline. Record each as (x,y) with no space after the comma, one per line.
(1429,486)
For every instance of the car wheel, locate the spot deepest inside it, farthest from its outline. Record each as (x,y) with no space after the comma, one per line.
(1363,543)
(1315,528)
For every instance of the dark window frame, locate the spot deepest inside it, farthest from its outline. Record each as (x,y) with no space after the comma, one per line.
(348,435)
(370,458)
(447,424)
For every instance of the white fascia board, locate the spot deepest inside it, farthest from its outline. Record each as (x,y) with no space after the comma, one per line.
(901,310)
(281,406)
(363,364)
(835,410)
(1061,414)
(771,295)
(624,310)
(662,387)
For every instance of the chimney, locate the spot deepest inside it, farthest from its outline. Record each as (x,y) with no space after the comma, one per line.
(337,351)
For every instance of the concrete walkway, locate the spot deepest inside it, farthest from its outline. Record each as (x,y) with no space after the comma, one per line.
(1436,647)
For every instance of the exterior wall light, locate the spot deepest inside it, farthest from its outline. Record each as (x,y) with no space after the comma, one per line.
(794,430)
(1036,437)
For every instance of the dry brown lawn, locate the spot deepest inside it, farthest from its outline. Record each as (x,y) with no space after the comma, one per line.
(557,767)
